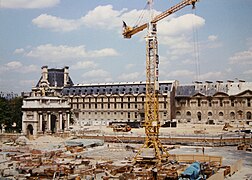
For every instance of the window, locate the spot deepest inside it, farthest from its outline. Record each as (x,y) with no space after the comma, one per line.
(210,103)
(199,116)
(129,115)
(248,114)
(232,103)
(232,115)
(121,105)
(248,102)
(135,115)
(128,105)
(199,102)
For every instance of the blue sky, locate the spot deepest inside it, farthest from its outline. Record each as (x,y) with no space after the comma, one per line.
(213,42)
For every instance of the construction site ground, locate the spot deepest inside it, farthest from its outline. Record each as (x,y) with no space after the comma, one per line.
(116,151)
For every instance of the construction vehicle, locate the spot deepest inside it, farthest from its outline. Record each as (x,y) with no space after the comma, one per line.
(152,123)
(121,127)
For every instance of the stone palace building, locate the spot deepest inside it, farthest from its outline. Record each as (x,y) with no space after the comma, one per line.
(56,99)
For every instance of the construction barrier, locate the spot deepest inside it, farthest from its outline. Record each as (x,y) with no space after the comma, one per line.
(190,158)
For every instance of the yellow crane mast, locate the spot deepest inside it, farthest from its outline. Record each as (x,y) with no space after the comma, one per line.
(152,123)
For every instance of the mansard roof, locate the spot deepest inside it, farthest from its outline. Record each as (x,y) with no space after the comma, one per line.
(114,88)
(56,78)
(212,89)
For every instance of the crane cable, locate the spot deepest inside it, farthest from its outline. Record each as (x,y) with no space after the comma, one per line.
(141,16)
(196,46)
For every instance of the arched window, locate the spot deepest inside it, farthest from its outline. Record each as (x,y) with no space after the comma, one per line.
(199,116)
(232,115)
(240,114)
(209,114)
(188,116)
(178,114)
(248,115)
(221,114)
(29,130)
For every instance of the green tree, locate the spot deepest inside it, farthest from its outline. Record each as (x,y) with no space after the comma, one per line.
(16,115)
(11,114)
(5,113)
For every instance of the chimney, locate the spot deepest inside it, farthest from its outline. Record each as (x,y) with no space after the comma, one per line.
(66,75)
(218,85)
(198,85)
(44,73)
(229,83)
(241,82)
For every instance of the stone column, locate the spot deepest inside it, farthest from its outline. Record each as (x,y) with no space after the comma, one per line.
(68,121)
(60,121)
(49,121)
(40,121)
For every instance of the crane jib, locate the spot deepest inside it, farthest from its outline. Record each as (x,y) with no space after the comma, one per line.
(128,31)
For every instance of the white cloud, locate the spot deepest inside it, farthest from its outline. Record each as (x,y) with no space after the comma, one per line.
(177,46)
(243,57)
(19,51)
(56,23)
(13,65)
(84,65)
(212,75)
(97,75)
(129,66)
(29,4)
(135,76)
(103,52)
(18,67)
(178,25)
(180,73)
(103,17)
(212,38)
(56,53)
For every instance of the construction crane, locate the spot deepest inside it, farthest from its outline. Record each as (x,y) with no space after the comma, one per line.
(152,143)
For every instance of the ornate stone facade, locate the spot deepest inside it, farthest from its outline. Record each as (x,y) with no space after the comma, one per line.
(215,103)
(44,111)
(99,104)
(45,115)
